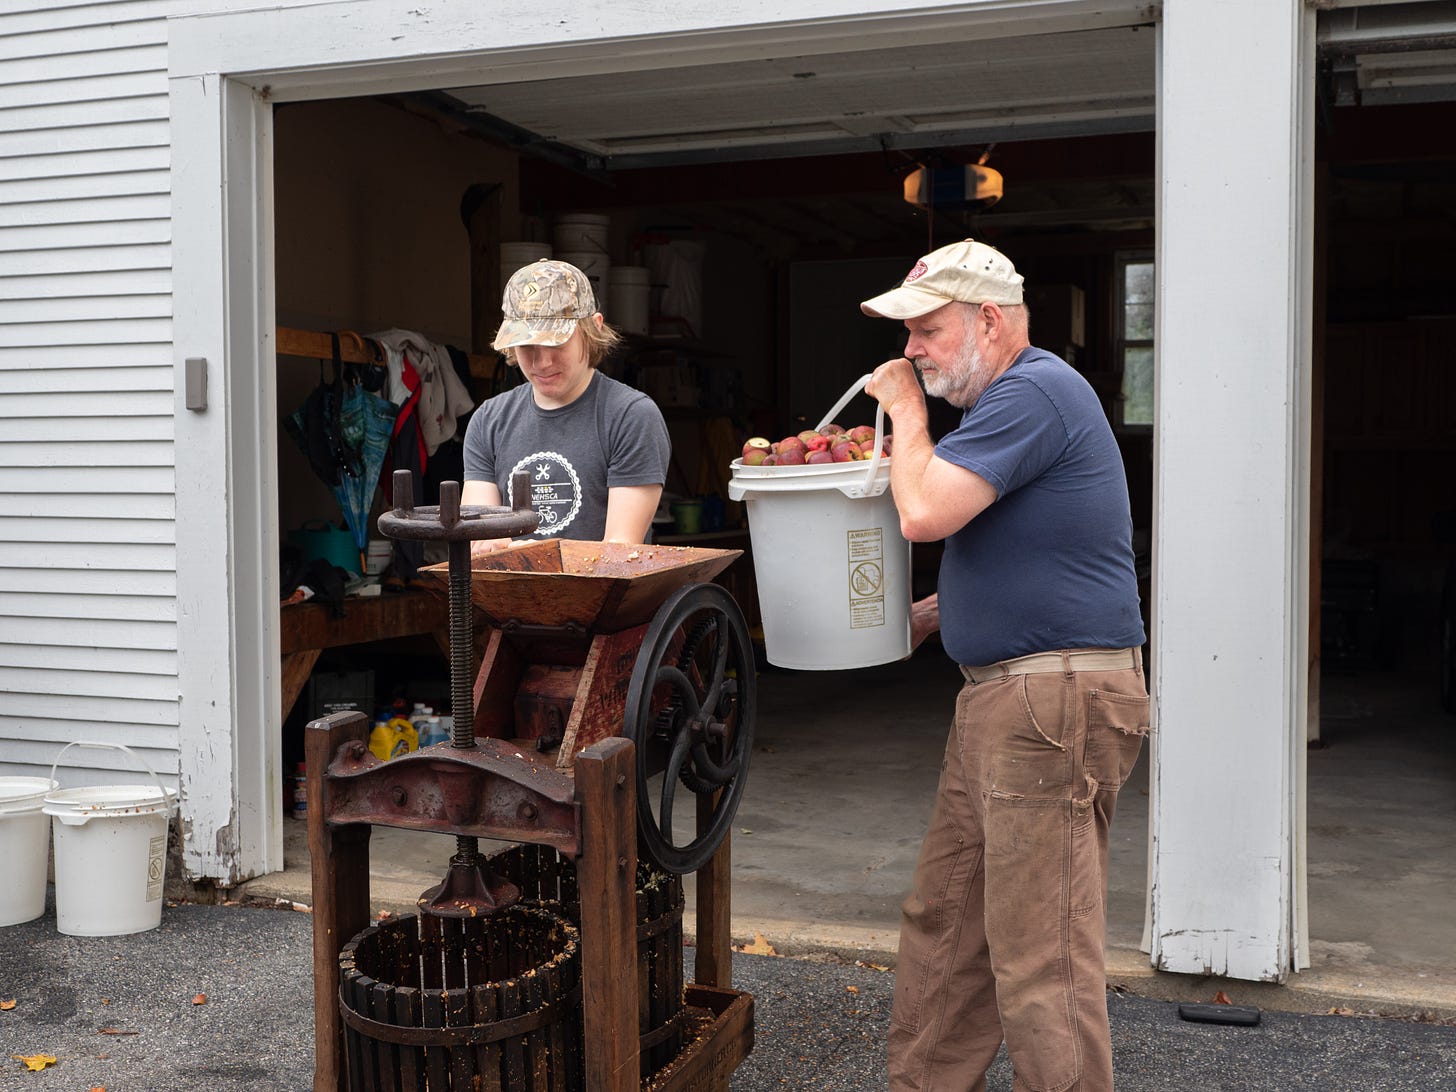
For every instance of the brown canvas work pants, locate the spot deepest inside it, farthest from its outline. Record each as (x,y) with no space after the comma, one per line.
(1002,936)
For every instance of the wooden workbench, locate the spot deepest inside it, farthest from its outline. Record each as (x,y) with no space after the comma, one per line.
(306,629)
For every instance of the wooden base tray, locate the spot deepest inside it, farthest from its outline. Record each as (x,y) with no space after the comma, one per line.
(717,1042)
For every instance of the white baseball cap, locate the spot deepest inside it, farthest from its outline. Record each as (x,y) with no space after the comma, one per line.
(968,271)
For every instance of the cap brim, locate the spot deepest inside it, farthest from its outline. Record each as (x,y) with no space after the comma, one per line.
(550,332)
(905,302)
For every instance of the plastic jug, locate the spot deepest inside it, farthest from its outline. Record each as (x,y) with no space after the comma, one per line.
(393,737)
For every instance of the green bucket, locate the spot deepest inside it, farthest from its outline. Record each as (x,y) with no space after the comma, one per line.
(320,539)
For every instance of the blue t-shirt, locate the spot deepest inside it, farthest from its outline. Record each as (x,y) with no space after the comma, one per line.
(1049,564)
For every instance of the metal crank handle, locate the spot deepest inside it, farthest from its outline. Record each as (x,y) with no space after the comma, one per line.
(450,521)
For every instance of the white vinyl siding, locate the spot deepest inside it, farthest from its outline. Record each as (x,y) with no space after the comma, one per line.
(88,557)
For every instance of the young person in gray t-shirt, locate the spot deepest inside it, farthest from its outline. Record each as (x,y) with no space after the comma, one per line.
(596,449)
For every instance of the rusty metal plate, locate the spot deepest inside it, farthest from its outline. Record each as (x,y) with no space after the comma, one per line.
(492,790)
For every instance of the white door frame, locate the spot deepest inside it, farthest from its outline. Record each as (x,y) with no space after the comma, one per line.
(1231,468)
(226,68)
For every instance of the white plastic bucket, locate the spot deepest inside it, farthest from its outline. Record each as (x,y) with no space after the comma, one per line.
(378,555)
(582,231)
(594,264)
(629,290)
(515,255)
(25,842)
(833,569)
(111,853)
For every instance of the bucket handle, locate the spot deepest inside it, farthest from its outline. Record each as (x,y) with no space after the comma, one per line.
(116,747)
(857,386)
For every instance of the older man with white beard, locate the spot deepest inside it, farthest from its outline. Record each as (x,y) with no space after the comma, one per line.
(1002,936)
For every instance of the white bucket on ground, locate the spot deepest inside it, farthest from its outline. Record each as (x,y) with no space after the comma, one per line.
(594,264)
(833,569)
(515,255)
(629,290)
(582,231)
(111,853)
(25,842)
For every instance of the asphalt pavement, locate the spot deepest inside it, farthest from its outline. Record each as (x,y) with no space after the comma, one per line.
(219,999)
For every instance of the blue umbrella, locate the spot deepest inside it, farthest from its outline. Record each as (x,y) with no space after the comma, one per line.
(366,423)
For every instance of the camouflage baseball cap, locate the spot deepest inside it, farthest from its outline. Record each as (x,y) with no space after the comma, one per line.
(542,304)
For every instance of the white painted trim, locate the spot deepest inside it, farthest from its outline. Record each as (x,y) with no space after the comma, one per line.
(1301,395)
(364,47)
(1231,483)
(227,542)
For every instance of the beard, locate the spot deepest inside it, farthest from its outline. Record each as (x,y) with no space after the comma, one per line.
(963,380)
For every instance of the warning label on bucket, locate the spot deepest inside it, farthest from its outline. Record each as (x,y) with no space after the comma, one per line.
(866,577)
(156,867)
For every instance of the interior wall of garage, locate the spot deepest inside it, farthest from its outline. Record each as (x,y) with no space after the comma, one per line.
(369,236)
(1389,184)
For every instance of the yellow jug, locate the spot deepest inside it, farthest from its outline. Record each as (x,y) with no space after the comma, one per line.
(393,737)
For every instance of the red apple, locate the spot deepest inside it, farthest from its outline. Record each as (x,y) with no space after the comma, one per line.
(757,443)
(792,443)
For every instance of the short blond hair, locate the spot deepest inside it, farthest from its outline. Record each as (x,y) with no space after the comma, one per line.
(600,341)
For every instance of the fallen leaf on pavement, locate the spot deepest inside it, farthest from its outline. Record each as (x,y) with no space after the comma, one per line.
(114,1031)
(199,999)
(6,1006)
(870,966)
(35,1062)
(1222,998)
(851,989)
(760,946)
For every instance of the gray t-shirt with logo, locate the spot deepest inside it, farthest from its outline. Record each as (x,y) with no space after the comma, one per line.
(612,435)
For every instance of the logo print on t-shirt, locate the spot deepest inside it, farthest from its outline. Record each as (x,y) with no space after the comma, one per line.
(555,490)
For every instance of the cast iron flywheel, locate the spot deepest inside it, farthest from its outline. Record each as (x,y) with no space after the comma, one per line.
(690,710)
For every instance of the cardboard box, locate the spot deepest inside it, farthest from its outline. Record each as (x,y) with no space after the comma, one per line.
(339,692)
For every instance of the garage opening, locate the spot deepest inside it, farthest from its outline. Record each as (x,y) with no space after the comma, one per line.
(1385,510)
(763,201)
(777,193)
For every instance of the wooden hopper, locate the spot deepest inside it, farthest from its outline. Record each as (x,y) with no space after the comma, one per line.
(567,620)
(603,587)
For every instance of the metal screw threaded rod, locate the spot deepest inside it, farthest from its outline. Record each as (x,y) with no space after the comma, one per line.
(464,888)
(462,639)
